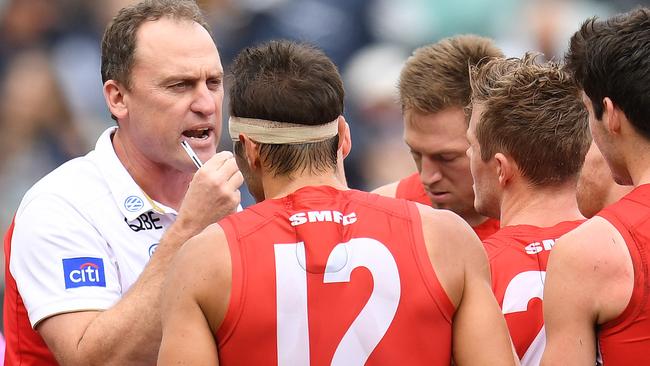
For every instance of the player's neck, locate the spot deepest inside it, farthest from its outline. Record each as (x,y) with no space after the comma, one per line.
(638,162)
(163,185)
(473,218)
(541,207)
(276,187)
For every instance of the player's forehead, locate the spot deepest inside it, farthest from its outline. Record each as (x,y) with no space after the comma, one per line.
(451,120)
(436,132)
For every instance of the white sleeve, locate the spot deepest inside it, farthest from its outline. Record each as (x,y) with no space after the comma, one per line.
(60,261)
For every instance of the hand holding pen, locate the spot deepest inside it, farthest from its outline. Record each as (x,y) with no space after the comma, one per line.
(225,160)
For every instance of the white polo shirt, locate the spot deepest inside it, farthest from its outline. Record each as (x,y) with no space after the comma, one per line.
(83,235)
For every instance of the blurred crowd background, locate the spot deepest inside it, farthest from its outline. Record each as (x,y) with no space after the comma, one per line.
(52,108)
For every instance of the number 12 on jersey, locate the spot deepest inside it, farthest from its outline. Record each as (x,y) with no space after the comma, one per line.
(370,325)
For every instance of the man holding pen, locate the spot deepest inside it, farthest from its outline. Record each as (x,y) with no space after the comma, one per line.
(86,254)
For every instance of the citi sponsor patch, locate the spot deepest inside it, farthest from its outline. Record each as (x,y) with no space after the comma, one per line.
(84,271)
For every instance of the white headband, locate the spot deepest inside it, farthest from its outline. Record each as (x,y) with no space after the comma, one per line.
(272,132)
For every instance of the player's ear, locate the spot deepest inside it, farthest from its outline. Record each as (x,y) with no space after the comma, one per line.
(115,99)
(505,168)
(345,141)
(608,111)
(612,116)
(251,151)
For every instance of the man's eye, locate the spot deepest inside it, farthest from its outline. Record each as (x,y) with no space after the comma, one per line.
(214,83)
(179,85)
(447,157)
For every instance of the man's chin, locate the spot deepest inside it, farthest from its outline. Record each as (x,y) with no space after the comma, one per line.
(491,211)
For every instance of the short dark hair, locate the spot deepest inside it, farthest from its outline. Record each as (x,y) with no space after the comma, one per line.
(611,58)
(533,113)
(119,41)
(436,76)
(288,82)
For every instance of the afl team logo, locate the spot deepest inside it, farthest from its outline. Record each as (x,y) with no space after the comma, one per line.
(133,203)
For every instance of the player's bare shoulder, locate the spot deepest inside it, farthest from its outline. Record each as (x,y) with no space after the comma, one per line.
(594,257)
(204,263)
(388,190)
(453,248)
(210,246)
(594,241)
(447,228)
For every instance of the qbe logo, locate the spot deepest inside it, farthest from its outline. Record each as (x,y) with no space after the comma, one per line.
(84,271)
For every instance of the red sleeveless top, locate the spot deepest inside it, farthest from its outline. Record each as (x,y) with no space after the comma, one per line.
(329,277)
(626,339)
(518,256)
(410,188)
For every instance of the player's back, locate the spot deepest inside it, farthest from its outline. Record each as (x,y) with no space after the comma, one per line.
(518,256)
(324,277)
(626,339)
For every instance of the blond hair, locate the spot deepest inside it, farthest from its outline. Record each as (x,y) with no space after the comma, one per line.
(436,76)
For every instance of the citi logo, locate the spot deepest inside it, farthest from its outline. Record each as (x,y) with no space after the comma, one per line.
(87,272)
(84,271)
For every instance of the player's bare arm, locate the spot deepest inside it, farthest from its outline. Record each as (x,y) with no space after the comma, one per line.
(480,335)
(129,332)
(195,300)
(586,266)
(387,190)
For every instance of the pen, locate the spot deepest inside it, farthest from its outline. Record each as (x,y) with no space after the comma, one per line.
(197,161)
(191,154)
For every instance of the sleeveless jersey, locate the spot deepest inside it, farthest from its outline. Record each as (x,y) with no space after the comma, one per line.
(411,189)
(329,277)
(488,227)
(518,256)
(626,339)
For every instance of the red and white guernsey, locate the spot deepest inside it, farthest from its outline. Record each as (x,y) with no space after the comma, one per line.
(518,256)
(487,228)
(410,188)
(329,277)
(626,339)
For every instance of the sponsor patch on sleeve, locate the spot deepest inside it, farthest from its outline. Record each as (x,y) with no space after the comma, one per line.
(84,271)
